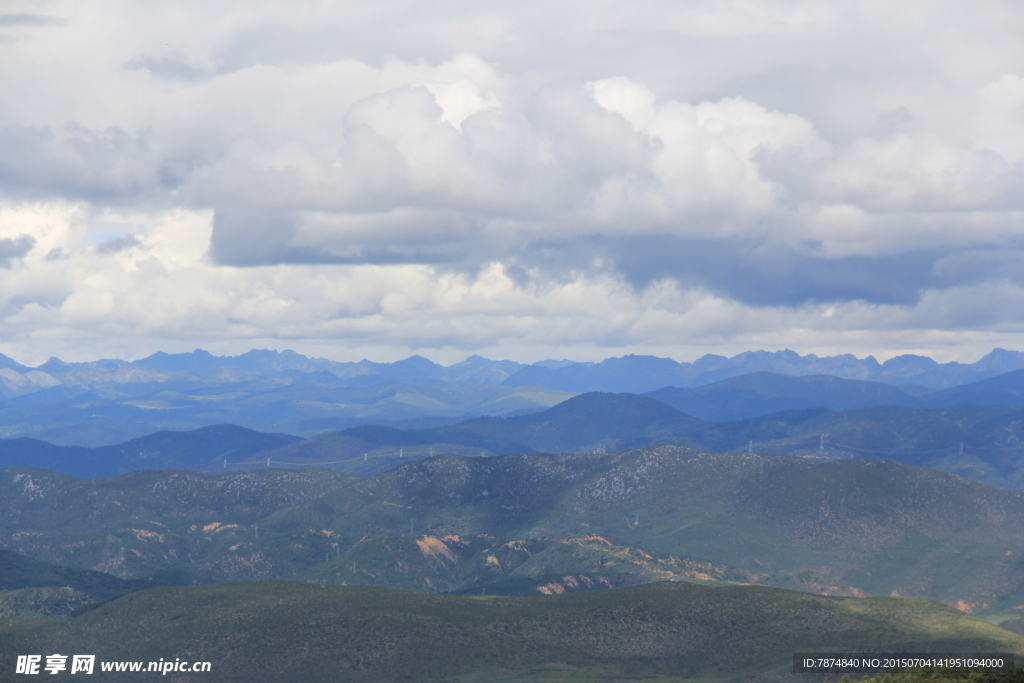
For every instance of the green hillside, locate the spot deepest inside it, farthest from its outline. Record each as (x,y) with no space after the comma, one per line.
(991,438)
(32,587)
(18,571)
(288,631)
(151,522)
(844,527)
(544,523)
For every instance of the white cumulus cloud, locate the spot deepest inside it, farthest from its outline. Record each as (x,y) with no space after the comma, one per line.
(525,179)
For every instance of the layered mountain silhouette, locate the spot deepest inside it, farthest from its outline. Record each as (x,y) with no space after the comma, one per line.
(762,393)
(982,442)
(670,484)
(105,402)
(181,450)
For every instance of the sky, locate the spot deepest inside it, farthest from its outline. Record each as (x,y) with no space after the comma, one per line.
(521,180)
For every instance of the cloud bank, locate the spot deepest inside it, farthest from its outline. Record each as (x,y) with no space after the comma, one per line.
(519,179)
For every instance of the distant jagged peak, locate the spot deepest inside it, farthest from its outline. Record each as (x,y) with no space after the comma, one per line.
(477,360)
(197,353)
(198,359)
(619,404)
(415,361)
(633,359)
(7,362)
(555,364)
(1002,360)
(782,354)
(909,360)
(629,373)
(53,365)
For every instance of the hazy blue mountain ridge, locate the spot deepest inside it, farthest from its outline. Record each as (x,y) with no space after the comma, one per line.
(110,401)
(640,374)
(1005,389)
(984,443)
(762,393)
(201,365)
(629,373)
(175,450)
(7,362)
(296,402)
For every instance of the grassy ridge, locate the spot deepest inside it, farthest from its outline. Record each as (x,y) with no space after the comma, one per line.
(18,571)
(31,587)
(287,631)
(453,524)
(143,523)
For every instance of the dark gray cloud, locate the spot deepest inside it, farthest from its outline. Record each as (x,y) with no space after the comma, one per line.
(169,68)
(23,19)
(115,244)
(760,273)
(755,272)
(258,237)
(13,249)
(76,162)
(248,236)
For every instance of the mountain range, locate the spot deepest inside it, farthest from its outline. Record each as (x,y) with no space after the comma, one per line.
(532,524)
(631,373)
(985,443)
(770,507)
(981,442)
(105,402)
(761,393)
(765,553)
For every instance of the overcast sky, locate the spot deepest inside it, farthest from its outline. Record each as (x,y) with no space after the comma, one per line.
(522,180)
